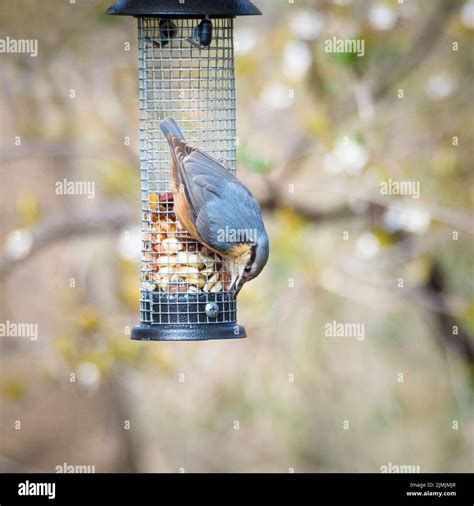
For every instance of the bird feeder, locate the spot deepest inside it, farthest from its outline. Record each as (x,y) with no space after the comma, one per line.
(186,71)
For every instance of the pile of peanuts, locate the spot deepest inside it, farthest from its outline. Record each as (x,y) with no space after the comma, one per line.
(174,261)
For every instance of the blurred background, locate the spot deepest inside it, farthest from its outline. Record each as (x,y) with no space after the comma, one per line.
(319,134)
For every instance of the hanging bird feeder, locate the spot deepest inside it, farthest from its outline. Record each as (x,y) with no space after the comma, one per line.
(186,71)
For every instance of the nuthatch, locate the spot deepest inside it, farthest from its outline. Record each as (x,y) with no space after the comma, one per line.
(216,208)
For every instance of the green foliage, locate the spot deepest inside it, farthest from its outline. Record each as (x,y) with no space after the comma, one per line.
(252,161)
(14,389)
(120,180)
(28,208)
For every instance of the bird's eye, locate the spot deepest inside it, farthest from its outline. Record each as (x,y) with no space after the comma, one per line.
(248,268)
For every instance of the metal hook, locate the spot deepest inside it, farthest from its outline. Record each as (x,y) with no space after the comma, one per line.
(202,34)
(167,32)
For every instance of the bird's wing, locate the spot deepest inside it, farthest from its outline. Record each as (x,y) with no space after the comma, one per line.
(216,199)
(203,178)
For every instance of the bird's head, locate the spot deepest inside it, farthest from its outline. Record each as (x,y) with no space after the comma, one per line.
(248,261)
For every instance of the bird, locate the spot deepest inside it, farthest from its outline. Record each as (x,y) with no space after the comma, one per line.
(216,208)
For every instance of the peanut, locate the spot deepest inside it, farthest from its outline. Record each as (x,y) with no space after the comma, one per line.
(177,263)
(207,270)
(217,287)
(190,274)
(167,282)
(211,282)
(164,272)
(172,245)
(188,258)
(148,286)
(201,281)
(167,260)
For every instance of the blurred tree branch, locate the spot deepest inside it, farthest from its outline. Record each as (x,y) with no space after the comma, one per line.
(64,148)
(451,333)
(455,218)
(114,219)
(274,199)
(8,464)
(430,297)
(118,405)
(426,39)
(110,220)
(371,89)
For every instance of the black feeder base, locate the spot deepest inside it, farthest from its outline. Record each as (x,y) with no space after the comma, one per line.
(160,332)
(187,317)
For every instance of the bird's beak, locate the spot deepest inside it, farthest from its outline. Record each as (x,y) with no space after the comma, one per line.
(237,282)
(237,286)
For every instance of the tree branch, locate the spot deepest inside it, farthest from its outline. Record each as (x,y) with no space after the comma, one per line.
(459,341)
(425,41)
(108,221)
(395,71)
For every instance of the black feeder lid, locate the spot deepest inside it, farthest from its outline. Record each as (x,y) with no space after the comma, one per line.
(187,9)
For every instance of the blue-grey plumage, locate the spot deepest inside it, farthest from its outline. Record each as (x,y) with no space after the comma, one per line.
(216,208)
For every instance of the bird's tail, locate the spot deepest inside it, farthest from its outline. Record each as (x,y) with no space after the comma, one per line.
(170,127)
(179,149)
